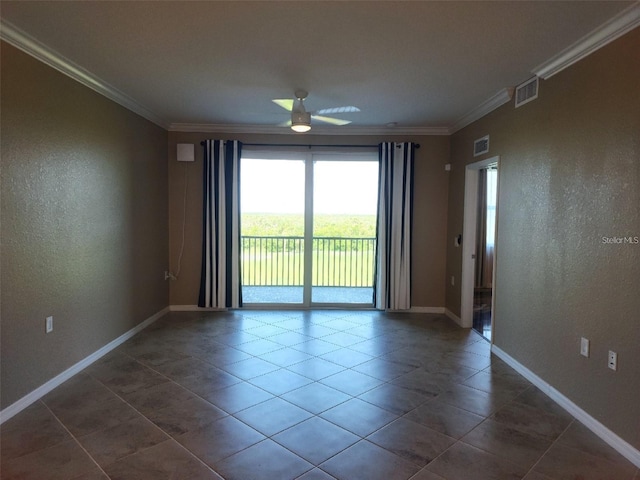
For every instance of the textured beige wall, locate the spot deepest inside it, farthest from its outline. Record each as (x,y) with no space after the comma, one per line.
(569,175)
(84,222)
(430,214)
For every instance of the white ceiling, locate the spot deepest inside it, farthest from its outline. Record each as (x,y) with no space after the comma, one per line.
(422,64)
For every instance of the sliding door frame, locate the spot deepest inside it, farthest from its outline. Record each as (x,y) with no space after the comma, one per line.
(309,155)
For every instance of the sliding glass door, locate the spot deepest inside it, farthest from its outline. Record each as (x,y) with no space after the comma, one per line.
(272,228)
(308,227)
(345,194)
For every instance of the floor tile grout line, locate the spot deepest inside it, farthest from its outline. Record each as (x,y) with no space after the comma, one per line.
(553,443)
(124,400)
(504,458)
(75,439)
(323,461)
(241,381)
(169,436)
(169,380)
(192,454)
(349,368)
(314,415)
(280,367)
(458,440)
(558,442)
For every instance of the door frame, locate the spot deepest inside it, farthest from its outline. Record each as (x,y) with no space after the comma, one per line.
(469,241)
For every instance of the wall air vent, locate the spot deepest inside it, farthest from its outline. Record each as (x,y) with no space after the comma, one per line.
(481,146)
(527,91)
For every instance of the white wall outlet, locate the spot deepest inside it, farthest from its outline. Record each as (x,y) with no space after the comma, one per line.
(613,360)
(584,347)
(48,325)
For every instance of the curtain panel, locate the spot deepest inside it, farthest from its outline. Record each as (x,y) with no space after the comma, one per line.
(220,272)
(395,211)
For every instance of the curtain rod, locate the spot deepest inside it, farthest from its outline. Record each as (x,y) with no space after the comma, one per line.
(417,145)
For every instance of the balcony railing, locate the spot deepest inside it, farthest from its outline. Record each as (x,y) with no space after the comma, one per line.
(336,261)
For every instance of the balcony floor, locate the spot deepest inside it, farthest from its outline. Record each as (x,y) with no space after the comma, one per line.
(293,295)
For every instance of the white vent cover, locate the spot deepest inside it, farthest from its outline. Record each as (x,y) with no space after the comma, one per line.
(186,152)
(527,91)
(481,146)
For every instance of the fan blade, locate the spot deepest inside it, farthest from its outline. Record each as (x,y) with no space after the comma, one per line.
(286,103)
(285,124)
(332,121)
(334,110)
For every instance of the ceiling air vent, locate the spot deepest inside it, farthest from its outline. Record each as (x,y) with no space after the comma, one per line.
(526,91)
(481,146)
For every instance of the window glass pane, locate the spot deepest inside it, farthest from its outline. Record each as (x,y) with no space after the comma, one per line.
(492,198)
(272,230)
(345,197)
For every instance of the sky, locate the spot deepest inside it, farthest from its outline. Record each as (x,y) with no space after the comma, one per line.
(340,187)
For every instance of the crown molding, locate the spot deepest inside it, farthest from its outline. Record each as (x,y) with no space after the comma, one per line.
(617,26)
(23,41)
(614,28)
(28,44)
(315,130)
(489,105)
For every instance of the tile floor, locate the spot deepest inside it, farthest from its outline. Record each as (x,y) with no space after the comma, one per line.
(308,395)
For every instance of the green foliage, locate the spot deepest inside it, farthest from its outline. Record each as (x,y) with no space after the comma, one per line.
(286,225)
(272,225)
(345,226)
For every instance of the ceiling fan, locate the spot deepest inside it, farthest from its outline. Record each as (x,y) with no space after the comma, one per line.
(301,119)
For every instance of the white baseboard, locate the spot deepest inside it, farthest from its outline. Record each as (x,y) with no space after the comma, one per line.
(438,310)
(194,308)
(621,446)
(453,317)
(45,388)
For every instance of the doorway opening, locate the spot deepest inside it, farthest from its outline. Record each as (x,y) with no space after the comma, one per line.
(479,246)
(308,227)
(485,250)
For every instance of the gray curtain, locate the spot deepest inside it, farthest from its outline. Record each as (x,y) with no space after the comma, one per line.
(392,289)
(220,272)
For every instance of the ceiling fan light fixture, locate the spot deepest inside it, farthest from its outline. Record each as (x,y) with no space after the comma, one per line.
(300,121)
(301,128)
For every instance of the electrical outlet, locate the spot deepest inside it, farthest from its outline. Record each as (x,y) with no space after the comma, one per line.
(48,325)
(584,347)
(613,360)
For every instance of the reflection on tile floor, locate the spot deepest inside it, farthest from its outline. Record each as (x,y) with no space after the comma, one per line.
(280,395)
